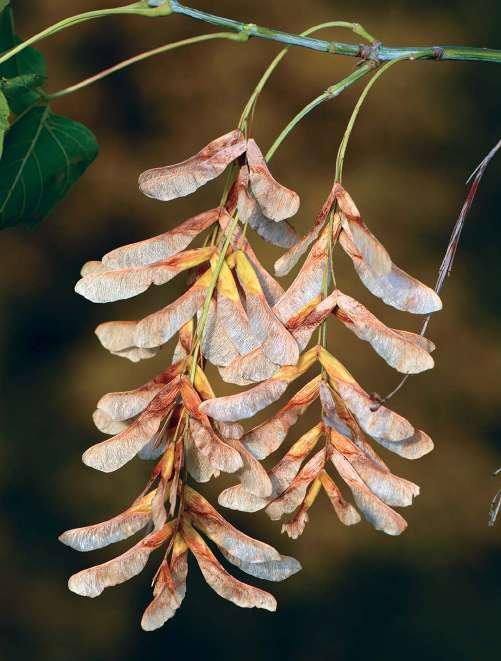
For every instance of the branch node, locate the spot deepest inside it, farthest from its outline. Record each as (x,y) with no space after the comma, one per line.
(377,401)
(438,52)
(370,53)
(246,33)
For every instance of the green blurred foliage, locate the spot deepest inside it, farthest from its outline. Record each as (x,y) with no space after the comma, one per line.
(44,154)
(29,62)
(431,594)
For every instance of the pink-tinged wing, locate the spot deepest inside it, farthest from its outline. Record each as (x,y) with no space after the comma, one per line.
(413,447)
(198,466)
(217,453)
(232,315)
(172,181)
(162,246)
(272,570)
(120,527)
(379,515)
(227,587)
(157,328)
(221,532)
(118,338)
(281,476)
(293,496)
(246,404)
(399,351)
(280,234)
(395,288)
(339,418)
(229,429)
(107,425)
(123,405)
(289,259)
(92,267)
(303,326)
(295,527)
(275,201)
(216,344)
(379,423)
(275,340)
(170,588)
(271,288)
(246,370)
(119,284)
(418,340)
(253,476)
(286,470)
(345,512)
(238,498)
(308,282)
(268,436)
(336,415)
(371,250)
(391,489)
(115,452)
(91,582)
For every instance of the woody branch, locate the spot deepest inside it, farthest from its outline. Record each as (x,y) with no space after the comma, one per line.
(377,51)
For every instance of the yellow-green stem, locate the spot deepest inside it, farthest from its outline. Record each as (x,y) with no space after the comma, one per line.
(137,8)
(325,279)
(210,290)
(330,93)
(250,105)
(143,56)
(344,142)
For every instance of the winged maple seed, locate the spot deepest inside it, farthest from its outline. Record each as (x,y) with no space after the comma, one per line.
(226,315)
(237,317)
(370,259)
(347,410)
(299,475)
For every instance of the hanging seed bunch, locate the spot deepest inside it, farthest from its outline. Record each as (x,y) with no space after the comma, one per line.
(237,317)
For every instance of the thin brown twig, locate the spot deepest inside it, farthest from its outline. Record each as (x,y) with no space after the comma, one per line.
(495,504)
(446,266)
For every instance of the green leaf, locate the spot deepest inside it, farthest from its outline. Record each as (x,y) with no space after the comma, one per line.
(43,157)
(4,120)
(14,87)
(28,61)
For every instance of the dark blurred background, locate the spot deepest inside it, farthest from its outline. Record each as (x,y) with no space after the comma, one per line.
(432,593)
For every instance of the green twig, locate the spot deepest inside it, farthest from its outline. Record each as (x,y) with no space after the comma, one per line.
(376,51)
(210,290)
(379,52)
(330,93)
(346,137)
(143,56)
(141,8)
(250,106)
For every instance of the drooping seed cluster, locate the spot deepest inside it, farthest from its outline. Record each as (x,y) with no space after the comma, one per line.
(236,316)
